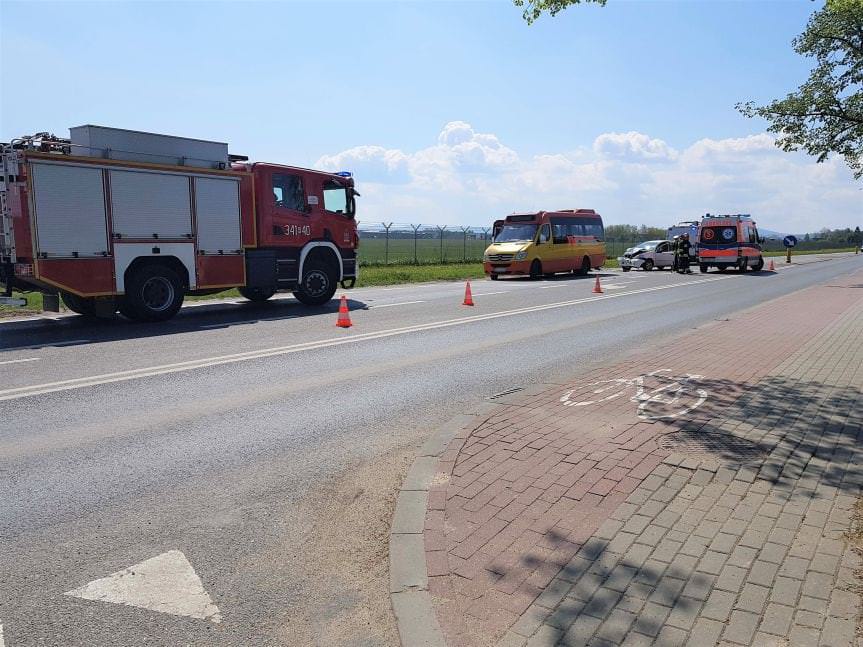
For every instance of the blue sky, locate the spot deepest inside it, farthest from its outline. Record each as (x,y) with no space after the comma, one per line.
(448,111)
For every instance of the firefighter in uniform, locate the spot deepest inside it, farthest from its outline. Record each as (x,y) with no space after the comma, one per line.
(683,247)
(675,243)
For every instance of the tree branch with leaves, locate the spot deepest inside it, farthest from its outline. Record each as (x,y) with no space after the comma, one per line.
(825,115)
(533,9)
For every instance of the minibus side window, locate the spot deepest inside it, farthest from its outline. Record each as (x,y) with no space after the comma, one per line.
(544,233)
(561,231)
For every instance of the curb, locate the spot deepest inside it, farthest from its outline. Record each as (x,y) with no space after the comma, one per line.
(409,593)
(411,601)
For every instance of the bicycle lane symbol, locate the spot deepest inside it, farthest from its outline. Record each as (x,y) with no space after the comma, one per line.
(676,397)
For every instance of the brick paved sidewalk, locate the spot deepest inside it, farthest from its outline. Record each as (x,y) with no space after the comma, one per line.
(712,509)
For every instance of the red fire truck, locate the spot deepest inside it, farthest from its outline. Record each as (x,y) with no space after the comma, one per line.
(115,220)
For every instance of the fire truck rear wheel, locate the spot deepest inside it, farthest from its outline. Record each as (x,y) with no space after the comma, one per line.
(79,305)
(258,295)
(153,293)
(318,284)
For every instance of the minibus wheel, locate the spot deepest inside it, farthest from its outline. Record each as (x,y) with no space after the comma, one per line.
(585,267)
(535,269)
(493,277)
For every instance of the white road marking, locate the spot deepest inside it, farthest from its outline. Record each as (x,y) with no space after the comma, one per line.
(614,286)
(485,294)
(71,342)
(20,361)
(123,376)
(2,644)
(548,287)
(166,583)
(390,305)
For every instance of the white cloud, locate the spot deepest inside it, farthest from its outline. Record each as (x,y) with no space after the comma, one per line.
(633,146)
(469,177)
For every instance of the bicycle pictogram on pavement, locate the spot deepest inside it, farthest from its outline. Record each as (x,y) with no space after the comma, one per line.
(664,395)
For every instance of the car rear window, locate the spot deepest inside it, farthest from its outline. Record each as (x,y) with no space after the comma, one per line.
(716,235)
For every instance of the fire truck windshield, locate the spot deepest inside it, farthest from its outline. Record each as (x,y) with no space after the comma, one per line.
(338,198)
(515,233)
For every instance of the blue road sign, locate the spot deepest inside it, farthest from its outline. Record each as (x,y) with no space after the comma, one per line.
(790,241)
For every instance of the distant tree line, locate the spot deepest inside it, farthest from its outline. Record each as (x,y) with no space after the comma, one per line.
(839,236)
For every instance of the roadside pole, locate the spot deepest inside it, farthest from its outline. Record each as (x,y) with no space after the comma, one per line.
(789,242)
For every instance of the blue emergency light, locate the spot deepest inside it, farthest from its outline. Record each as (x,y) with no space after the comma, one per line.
(345,174)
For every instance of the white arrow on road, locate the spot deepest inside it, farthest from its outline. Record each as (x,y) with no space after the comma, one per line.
(2,644)
(166,583)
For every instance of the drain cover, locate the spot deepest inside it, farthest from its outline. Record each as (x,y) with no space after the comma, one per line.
(716,445)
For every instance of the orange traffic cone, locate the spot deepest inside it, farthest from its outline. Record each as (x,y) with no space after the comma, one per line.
(468,298)
(597,288)
(771,267)
(344,320)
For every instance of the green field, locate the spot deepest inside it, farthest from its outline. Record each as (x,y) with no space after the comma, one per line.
(424,250)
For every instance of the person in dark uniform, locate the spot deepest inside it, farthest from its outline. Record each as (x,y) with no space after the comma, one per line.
(675,243)
(683,248)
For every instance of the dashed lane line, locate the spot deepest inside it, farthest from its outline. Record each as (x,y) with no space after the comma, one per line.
(70,342)
(390,305)
(150,371)
(20,361)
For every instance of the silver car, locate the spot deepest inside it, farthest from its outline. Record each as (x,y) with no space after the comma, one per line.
(647,255)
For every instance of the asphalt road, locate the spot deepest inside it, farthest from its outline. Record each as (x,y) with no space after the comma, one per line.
(121,442)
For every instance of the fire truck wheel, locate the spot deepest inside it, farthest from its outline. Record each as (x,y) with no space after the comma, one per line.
(153,293)
(535,269)
(258,295)
(318,285)
(703,268)
(79,305)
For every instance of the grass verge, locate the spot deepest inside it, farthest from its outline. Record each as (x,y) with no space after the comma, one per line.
(797,252)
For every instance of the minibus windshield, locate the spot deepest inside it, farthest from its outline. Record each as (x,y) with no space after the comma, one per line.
(516,233)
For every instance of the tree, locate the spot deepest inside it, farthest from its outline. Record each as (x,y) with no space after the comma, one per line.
(533,9)
(825,115)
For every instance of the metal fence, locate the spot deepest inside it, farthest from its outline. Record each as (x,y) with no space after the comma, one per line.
(403,243)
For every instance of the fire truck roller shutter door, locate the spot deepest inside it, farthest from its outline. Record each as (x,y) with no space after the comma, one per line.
(217,210)
(69,204)
(144,203)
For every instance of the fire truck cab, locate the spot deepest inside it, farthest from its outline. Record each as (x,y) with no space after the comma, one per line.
(113,219)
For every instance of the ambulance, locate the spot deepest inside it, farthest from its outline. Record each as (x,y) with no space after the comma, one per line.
(729,242)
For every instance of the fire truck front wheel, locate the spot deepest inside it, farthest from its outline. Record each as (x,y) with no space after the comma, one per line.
(318,284)
(153,293)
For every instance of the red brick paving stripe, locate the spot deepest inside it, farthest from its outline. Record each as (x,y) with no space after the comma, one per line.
(533,483)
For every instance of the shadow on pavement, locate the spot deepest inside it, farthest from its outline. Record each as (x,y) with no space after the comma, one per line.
(61,332)
(803,438)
